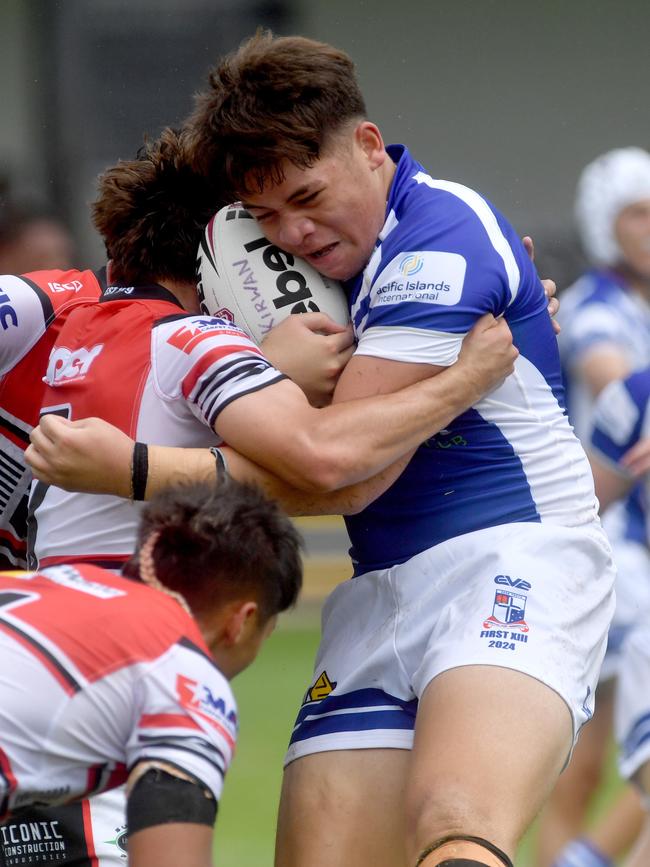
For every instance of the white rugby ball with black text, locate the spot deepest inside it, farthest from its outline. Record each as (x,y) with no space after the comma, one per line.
(244,278)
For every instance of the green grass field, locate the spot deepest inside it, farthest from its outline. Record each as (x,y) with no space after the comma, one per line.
(268,695)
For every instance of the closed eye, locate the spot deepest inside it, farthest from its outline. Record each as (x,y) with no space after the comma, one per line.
(306,200)
(263,216)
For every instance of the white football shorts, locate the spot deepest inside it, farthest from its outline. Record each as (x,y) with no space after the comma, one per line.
(535,598)
(632,704)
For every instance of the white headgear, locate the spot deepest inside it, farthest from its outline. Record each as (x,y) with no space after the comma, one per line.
(606,186)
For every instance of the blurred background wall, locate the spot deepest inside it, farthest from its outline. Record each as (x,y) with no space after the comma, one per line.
(512,97)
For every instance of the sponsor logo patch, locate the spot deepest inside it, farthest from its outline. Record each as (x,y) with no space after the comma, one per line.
(120,841)
(69,365)
(72,286)
(199,698)
(427,277)
(322,687)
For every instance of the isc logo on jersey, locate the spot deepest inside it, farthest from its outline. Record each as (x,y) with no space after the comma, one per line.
(72,286)
(256,284)
(69,365)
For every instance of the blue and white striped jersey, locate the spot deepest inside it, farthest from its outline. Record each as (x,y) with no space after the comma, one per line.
(621,418)
(599,310)
(444,258)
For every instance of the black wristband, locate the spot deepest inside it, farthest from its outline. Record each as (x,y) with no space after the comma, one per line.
(139,471)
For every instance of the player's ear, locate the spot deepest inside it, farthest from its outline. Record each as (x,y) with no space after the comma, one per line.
(369,139)
(240,618)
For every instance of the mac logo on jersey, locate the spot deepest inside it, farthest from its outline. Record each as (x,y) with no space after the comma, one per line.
(66,365)
(425,277)
(200,698)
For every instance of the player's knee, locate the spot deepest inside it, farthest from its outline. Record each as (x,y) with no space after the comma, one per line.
(435,813)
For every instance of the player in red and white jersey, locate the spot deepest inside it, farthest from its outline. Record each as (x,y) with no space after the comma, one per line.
(108,679)
(138,358)
(144,359)
(155,372)
(32,309)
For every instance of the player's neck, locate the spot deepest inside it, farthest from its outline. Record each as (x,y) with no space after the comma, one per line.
(185,294)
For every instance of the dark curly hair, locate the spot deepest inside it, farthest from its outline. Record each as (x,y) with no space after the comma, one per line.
(216,542)
(274,99)
(151,212)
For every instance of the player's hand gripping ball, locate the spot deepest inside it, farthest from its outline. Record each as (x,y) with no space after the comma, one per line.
(244,278)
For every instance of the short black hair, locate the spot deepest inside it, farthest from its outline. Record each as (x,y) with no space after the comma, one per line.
(274,99)
(217,542)
(151,212)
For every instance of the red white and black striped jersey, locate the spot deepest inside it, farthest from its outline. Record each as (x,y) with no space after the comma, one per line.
(32,310)
(160,375)
(99,673)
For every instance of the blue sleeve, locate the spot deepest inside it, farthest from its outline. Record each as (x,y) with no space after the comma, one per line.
(619,415)
(456,261)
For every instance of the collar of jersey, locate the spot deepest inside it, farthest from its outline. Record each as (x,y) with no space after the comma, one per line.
(146,292)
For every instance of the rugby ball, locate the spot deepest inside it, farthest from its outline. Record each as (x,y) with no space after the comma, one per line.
(244,278)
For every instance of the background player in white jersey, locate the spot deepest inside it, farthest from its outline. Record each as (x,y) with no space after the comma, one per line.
(108,680)
(140,359)
(620,456)
(606,334)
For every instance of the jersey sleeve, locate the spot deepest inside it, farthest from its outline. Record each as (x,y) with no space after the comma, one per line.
(187,717)
(432,280)
(617,421)
(209,363)
(25,312)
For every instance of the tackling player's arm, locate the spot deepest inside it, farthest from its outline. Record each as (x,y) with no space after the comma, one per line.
(310,449)
(93,456)
(323,450)
(170,818)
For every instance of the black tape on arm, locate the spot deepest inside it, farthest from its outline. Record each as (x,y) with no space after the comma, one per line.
(158,798)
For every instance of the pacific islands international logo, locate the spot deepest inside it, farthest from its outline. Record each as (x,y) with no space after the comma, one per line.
(411,264)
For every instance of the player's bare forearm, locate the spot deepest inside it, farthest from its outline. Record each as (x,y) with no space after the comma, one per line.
(172,844)
(199,464)
(345,501)
(93,456)
(365,432)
